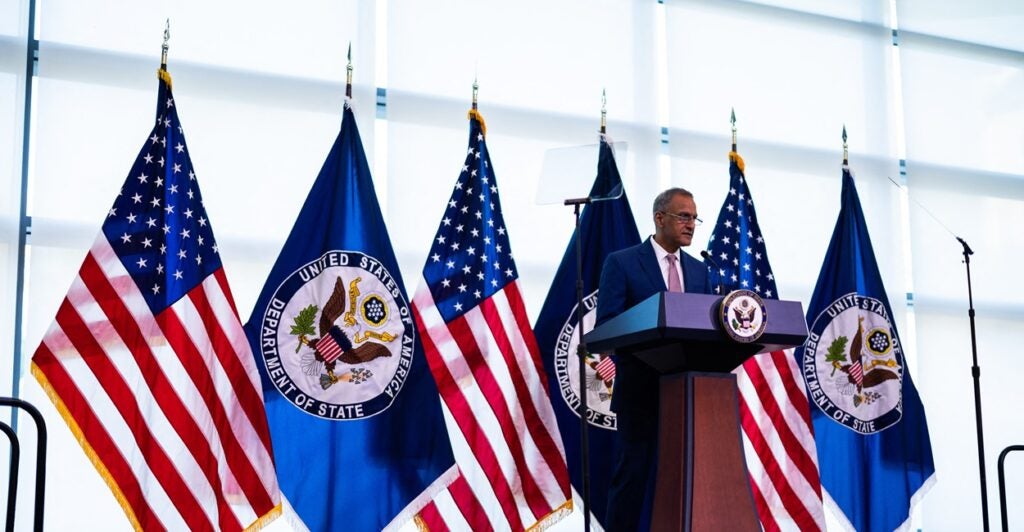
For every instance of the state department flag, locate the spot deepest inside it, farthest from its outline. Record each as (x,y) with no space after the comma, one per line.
(605,226)
(354,413)
(147,361)
(872,436)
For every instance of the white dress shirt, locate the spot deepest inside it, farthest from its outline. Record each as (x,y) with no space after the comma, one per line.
(660,253)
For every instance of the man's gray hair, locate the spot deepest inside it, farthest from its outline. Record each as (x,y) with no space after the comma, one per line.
(661,200)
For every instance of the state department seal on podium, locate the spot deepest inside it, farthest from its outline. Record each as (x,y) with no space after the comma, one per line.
(343,334)
(743,316)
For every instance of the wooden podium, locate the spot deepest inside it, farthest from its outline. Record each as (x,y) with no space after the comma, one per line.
(702,482)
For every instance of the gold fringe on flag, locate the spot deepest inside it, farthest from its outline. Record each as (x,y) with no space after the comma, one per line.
(553,517)
(265,520)
(733,156)
(165,76)
(475,115)
(89,452)
(256,525)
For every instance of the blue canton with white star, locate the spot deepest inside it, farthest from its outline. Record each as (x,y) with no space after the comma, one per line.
(470,258)
(737,245)
(158,226)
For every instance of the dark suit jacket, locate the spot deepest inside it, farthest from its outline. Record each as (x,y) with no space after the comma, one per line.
(628,277)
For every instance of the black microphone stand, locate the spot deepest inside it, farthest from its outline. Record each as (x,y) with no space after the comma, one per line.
(581,353)
(707,256)
(976,374)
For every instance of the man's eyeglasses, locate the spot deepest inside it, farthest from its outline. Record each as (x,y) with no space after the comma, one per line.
(684,218)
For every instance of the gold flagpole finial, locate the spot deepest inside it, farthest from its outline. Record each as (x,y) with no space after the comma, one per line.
(348,73)
(604,111)
(163,48)
(846,150)
(733,120)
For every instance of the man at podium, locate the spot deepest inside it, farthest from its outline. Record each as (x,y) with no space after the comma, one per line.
(628,277)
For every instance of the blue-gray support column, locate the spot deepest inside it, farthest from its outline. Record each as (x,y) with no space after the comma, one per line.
(382,103)
(24,223)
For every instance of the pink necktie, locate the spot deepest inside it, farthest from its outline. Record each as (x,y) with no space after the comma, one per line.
(673,275)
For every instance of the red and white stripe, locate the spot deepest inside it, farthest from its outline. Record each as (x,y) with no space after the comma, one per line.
(857,372)
(778,440)
(169,405)
(605,369)
(499,416)
(447,504)
(329,349)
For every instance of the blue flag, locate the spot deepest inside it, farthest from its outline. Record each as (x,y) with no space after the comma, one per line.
(873,447)
(354,414)
(605,227)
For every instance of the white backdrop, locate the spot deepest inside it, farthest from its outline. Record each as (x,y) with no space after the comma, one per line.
(260,88)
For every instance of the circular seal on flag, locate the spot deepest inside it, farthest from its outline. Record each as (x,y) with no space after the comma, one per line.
(743,316)
(599,369)
(337,337)
(853,364)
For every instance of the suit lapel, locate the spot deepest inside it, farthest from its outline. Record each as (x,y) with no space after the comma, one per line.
(693,273)
(649,265)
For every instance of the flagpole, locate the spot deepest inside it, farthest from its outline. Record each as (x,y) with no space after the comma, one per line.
(846,149)
(581,348)
(348,73)
(604,111)
(163,47)
(733,120)
(476,89)
(976,376)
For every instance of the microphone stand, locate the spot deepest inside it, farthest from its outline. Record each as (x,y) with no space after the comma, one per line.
(707,256)
(976,374)
(581,353)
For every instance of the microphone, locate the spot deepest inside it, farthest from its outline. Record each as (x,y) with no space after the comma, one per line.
(967,249)
(707,257)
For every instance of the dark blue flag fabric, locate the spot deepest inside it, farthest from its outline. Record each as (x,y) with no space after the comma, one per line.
(873,446)
(737,246)
(355,417)
(605,226)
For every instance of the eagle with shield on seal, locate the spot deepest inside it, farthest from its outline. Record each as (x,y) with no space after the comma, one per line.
(334,344)
(743,314)
(861,372)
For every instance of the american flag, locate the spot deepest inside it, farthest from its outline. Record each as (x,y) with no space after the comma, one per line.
(482,352)
(147,360)
(778,437)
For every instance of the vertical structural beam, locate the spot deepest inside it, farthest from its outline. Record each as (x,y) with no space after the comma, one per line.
(381,175)
(661,92)
(24,223)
